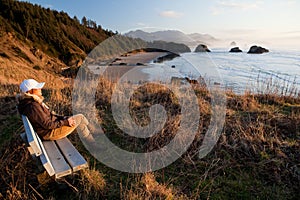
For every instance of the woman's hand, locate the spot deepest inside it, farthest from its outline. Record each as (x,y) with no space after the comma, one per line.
(71,121)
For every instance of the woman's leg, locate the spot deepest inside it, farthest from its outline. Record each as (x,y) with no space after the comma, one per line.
(81,125)
(60,132)
(64,131)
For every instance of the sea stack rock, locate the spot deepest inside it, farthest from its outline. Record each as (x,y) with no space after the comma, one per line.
(235,50)
(202,48)
(233,43)
(257,50)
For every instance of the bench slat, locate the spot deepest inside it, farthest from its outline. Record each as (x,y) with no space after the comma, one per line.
(74,158)
(60,166)
(31,138)
(44,157)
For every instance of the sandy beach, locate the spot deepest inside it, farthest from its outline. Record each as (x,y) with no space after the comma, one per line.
(133,59)
(130,67)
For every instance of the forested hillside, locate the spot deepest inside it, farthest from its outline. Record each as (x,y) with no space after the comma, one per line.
(55,33)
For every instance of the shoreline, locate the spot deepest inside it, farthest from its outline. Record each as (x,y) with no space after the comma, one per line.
(137,59)
(138,64)
(131,65)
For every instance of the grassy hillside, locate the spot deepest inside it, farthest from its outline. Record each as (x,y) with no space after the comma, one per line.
(256,157)
(41,43)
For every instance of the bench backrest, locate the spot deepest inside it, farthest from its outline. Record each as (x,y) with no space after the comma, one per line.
(31,137)
(37,146)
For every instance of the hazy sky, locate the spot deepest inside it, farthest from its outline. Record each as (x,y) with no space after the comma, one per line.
(268,22)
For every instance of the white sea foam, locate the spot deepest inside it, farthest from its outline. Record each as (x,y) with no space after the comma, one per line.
(239,71)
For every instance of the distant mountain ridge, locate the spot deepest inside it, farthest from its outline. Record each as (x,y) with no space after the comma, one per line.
(176,36)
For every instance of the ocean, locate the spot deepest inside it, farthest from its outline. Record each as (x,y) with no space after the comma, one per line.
(277,71)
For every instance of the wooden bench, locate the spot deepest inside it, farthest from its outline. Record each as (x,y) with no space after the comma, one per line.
(60,158)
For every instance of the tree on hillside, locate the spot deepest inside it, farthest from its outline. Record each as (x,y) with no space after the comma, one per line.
(92,24)
(76,19)
(84,21)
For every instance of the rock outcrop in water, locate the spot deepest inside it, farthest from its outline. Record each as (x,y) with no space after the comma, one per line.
(233,43)
(257,50)
(235,50)
(202,48)
(168,56)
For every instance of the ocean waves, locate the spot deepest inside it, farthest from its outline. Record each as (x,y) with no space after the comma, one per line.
(242,71)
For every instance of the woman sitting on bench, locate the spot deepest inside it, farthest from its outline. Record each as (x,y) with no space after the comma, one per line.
(48,125)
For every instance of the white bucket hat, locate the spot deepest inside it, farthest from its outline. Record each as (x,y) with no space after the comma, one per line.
(29,84)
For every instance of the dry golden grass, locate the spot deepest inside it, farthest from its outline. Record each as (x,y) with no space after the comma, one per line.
(257,155)
(146,187)
(93,184)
